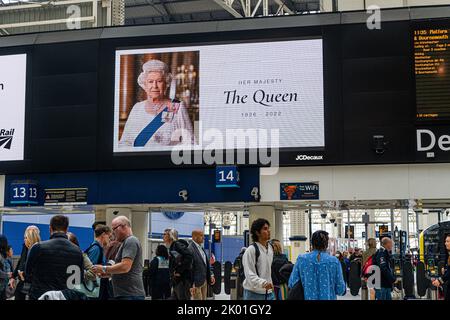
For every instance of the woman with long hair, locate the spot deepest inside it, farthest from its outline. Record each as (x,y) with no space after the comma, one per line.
(279,260)
(31,236)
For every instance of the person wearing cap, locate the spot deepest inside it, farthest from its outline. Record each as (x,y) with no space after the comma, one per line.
(158,120)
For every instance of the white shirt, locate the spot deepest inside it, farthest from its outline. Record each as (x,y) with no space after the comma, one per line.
(169,134)
(252,281)
(200,249)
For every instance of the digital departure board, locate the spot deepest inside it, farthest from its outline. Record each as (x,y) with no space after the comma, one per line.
(432,62)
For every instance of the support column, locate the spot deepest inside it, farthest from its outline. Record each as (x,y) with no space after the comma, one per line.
(299,229)
(265,212)
(328,5)
(100,214)
(339,231)
(371,232)
(392,228)
(140,225)
(279,226)
(111,213)
(404,214)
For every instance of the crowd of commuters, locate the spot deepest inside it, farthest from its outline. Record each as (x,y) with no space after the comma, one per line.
(111,266)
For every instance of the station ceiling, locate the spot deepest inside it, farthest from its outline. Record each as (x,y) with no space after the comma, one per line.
(164,11)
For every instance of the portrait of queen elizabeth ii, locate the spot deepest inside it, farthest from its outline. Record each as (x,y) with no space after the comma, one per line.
(158,120)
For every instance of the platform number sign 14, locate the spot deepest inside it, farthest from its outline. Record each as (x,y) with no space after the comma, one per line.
(24,193)
(227,177)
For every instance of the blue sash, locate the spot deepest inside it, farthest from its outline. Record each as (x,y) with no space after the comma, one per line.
(148,132)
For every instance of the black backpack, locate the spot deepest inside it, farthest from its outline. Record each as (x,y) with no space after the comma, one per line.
(95,243)
(285,272)
(181,256)
(238,264)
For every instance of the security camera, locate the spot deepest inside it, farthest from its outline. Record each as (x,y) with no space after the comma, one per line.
(379,144)
(115,213)
(183,194)
(255,193)
(332,220)
(323,215)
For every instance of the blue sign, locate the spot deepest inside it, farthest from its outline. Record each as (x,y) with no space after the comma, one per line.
(377,234)
(299,191)
(227,177)
(23,193)
(173,215)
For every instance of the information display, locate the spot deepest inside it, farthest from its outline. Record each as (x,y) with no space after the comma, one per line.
(432,69)
(234,96)
(12,106)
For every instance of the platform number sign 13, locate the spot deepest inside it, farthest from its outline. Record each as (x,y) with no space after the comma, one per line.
(227,177)
(23,193)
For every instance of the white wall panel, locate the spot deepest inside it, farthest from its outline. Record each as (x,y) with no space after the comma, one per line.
(376,182)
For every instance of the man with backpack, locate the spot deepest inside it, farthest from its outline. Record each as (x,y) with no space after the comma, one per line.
(257,263)
(101,241)
(180,265)
(383,260)
(95,253)
(367,261)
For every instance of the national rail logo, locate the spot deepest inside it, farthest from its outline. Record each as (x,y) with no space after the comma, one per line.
(6,138)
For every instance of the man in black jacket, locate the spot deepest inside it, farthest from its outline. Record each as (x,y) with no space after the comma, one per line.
(48,262)
(201,269)
(383,260)
(180,265)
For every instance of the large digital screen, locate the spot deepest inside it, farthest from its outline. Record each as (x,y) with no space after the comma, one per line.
(12,106)
(432,70)
(233,96)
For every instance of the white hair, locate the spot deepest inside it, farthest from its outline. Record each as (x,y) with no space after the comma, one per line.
(173,234)
(385,241)
(154,65)
(124,220)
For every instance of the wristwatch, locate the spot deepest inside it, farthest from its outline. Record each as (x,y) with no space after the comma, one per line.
(104,269)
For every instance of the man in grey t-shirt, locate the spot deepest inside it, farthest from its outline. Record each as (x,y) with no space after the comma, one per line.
(126,274)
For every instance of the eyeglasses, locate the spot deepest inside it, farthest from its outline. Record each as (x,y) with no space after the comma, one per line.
(114,229)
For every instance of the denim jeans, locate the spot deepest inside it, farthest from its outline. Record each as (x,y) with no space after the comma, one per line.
(383,294)
(250,295)
(130,298)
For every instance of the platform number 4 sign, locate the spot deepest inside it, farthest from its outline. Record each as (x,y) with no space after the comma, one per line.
(227,177)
